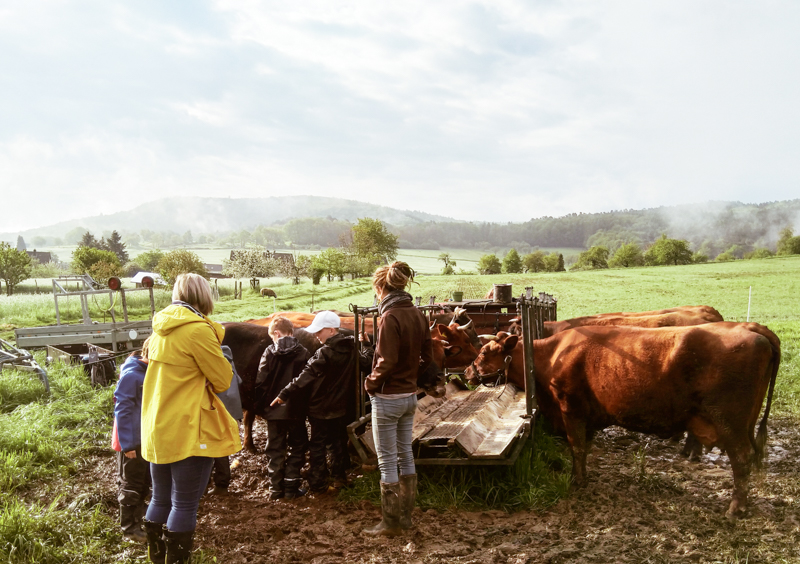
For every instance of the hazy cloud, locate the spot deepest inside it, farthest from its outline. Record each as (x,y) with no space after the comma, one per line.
(500,110)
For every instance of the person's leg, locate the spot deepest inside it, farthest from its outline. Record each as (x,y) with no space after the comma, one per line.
(161,503)
(189,479)
(276,452)
(405,430)
(318,476)
(222,474)
(385,415)
(340,458)
(297,438)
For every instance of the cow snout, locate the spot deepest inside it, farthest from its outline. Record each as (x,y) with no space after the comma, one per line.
(471,374)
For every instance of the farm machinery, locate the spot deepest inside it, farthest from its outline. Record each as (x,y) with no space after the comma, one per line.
(18,359)
(484,425)
(94,344)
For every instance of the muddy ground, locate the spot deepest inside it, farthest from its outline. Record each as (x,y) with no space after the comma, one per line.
(661,508)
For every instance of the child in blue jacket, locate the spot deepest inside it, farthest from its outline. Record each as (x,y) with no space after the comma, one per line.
(134,471)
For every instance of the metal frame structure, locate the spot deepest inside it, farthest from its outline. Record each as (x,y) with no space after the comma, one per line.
(532,310)
(19,359)
(120,335)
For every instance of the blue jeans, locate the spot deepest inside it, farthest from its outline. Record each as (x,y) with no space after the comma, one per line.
(177,489)
(392,424)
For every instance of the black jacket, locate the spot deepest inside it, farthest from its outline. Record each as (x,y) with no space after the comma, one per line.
(281,363)
(330,374)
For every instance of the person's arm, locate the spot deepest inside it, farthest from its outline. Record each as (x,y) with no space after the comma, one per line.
(313,370)
(125,412)
(208,355)
(386,351)
(264,367)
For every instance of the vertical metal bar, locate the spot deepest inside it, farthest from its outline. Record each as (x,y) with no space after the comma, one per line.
(111,306)
(152,304)
(359,348)
(85,309)
(527,354)
(124,305)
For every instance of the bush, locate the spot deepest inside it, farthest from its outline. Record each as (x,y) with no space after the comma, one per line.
(629,254)
(178,262)
(84,258)
(759,254)
(489,264)
(594,258)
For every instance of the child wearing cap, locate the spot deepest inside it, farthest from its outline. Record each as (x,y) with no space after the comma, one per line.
(330,375)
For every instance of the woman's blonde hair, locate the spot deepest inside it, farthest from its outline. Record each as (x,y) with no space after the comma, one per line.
(395,276)
(146,348)
(195,291)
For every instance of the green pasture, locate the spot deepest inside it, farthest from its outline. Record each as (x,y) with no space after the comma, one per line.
(48,516)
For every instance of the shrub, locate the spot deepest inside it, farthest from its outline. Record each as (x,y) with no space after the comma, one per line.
(594,258)
(759,254)
(629,254)
(489,264)
(512,264)
(180,261)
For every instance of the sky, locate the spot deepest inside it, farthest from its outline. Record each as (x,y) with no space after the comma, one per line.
(486,111)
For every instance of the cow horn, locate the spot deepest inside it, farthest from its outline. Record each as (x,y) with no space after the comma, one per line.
(459,311)
(433,326)
(488,337)
(465,327)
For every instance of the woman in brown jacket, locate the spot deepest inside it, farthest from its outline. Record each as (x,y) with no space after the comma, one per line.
(404,345)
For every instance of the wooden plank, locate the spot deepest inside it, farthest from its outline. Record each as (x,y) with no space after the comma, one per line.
(493,430)
(430,422)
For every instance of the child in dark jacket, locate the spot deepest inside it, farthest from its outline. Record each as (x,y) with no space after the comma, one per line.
(330,377)
(281,363)
(134,471)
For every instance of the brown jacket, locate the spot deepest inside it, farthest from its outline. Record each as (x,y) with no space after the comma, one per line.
(403,348)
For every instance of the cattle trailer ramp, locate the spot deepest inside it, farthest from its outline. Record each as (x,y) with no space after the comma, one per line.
(488,425)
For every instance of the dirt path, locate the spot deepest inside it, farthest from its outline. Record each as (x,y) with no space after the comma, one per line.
(654,508)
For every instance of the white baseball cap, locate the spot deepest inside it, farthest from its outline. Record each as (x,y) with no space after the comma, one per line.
(323,320)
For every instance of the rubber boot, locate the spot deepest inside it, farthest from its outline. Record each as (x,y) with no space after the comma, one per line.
(408,497)
(179,546)
(156,547)
(391,508)
(131,529)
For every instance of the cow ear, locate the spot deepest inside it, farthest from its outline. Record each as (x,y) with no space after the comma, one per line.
(444,331)
(452,351)
(510,343)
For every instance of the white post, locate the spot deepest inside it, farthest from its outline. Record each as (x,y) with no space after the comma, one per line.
(749,297)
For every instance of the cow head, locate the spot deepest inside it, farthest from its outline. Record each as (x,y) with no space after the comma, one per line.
(459,350)
(492,358)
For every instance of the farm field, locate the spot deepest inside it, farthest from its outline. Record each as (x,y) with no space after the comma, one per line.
(644,502)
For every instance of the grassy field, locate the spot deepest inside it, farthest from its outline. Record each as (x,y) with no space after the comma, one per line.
(45,442)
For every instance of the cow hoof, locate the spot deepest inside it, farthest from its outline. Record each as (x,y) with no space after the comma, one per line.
(250,449)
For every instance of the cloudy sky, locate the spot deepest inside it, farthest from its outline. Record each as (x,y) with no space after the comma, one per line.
(500,110)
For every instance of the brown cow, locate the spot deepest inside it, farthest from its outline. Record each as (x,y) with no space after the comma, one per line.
(708,379)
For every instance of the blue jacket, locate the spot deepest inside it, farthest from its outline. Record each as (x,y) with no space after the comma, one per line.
(128,406)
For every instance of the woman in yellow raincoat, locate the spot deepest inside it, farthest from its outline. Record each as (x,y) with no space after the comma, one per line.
(184,424)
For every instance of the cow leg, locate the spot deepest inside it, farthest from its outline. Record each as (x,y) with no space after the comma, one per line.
(693,448)
(576,436)
(740,454)
(249,419)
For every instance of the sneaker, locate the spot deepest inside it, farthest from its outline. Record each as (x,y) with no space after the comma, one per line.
(275,494)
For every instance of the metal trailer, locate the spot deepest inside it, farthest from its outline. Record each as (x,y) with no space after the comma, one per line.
(19,359)
(118,335)
(486,425)
(99,364)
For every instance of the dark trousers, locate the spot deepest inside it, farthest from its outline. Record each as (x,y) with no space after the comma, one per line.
(222,472)
(134,479)
(287,441)
(327,436)
(177,489)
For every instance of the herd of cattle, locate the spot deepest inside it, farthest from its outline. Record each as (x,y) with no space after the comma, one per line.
(659,372)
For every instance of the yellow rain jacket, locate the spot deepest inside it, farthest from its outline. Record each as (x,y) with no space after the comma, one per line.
(181,417)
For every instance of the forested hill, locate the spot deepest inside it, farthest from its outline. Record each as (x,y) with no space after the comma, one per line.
(717,224)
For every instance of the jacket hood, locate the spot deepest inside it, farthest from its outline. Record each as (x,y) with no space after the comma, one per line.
(285,345)
(174,316)
(340,343)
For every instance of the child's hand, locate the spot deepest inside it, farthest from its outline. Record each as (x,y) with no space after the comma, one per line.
(279,401)
(130,454)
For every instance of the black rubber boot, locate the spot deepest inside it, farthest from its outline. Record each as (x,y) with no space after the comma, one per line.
(408,497)
(179,546)
(156,547)
(391,508)
(131,527)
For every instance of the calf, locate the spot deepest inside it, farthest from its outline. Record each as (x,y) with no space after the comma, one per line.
(708,379)
(268,292)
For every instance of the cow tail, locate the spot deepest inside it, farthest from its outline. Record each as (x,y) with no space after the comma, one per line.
(761,437)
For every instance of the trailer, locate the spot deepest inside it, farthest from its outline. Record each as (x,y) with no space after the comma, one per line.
(18,359)
(485,425)
(116,335)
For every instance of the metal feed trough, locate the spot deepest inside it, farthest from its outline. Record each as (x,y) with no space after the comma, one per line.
(119,334)
(487,425)
(18,359)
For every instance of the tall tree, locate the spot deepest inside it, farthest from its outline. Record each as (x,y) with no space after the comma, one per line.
(668,251)
(787,243)
(371,240)
(15,266)
(449,264)
(594,258)
(534,262)
(115,245)
(629,254)
(88,240)
(21,246)
(250,263)
(512,264)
